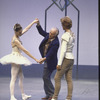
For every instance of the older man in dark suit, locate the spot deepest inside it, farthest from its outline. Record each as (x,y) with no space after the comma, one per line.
(48,49)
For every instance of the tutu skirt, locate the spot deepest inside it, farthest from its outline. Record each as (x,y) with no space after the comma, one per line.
(16,58)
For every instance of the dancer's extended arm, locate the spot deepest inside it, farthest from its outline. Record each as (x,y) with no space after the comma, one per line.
(18,44)
(39,28)
(28,27)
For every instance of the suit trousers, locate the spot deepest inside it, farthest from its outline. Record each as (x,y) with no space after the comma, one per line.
(66,69)
(48,86)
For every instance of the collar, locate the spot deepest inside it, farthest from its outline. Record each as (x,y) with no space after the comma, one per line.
(67,33)
(51,39)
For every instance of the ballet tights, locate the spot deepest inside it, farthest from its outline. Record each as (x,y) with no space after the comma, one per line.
(16,71)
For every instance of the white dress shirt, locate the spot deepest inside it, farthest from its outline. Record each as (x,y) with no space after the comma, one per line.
(67,44)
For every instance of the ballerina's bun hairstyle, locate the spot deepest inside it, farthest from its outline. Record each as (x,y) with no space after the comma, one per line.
(17,27)
(66,22)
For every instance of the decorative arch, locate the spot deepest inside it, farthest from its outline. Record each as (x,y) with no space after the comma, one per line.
(62,5)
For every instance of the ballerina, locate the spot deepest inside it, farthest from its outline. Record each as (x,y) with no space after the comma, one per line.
(16,59)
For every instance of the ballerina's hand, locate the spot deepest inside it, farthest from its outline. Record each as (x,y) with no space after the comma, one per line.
(36,21)
(41,61)
(37,60)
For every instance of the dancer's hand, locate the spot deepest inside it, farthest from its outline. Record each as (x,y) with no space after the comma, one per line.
(58,67)
(37,21)
(37,60)
(42,60)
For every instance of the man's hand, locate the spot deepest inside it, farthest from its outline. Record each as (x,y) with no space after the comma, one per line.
(42,60)
(37,21)
(58,67)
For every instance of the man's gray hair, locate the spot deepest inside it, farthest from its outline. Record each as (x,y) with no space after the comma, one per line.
(57,33)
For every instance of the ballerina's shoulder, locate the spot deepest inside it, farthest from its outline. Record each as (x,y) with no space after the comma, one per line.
(15,42)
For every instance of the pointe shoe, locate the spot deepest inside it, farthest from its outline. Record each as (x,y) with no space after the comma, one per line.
(67,99)
(13,98)
(25,97)
(53,99)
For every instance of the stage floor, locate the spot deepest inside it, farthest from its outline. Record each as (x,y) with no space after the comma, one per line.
(83,89)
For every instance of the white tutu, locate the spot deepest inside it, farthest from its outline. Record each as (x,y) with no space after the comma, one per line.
(15,57)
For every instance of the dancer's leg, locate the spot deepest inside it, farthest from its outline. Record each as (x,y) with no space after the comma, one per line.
(65,67)
(21,79)
(57,78)
(14,74)
(21,76)
(68,76)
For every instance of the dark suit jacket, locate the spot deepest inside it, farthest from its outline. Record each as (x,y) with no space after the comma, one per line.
(51,55)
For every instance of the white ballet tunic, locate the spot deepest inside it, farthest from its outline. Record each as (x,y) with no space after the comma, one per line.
(15,57)
(67,44)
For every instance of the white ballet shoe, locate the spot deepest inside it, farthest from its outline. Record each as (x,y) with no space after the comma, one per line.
(53,99)
(67,99)
(13,98)
(25,97)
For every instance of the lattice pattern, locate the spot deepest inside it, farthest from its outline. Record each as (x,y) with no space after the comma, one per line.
(62,4)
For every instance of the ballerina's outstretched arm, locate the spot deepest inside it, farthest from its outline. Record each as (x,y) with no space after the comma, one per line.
(19,45)
(28,27)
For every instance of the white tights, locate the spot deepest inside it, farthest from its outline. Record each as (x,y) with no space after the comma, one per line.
(16,71)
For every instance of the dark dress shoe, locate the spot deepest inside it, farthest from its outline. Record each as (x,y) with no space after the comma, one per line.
(49,98)
(45,98)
